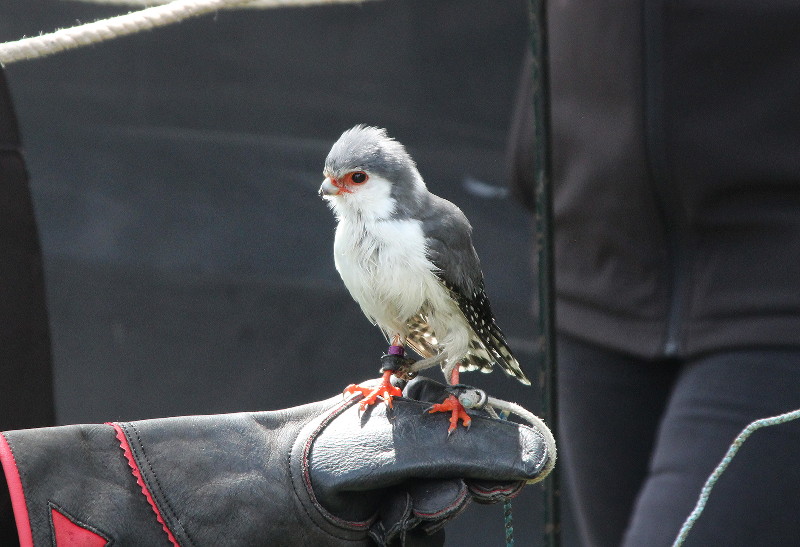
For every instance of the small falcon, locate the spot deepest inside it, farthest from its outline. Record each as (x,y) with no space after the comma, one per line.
(406,256)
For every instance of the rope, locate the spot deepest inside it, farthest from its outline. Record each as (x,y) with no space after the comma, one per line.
(537,423)
(723,465)
(123,25)
(257,4)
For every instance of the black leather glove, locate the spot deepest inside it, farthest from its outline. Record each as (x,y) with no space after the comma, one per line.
(319,474)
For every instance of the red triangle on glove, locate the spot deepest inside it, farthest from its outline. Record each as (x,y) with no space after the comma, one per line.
(69,534)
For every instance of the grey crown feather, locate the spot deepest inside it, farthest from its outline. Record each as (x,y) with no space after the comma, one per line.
(370,149)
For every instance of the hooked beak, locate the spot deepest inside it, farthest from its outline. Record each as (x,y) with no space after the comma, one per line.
(328,188)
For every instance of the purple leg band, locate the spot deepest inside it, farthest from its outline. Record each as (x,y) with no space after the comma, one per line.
(397,350)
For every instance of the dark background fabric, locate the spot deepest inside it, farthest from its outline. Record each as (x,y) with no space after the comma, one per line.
(187,257)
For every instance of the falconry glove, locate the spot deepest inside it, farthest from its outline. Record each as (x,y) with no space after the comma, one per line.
(325,473)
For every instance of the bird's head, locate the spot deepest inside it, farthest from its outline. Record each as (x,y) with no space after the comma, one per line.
(370,174)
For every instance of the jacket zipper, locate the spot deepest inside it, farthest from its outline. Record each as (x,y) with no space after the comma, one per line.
(671,212)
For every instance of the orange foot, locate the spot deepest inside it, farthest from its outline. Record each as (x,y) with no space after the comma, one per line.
(385,390)
(456,409)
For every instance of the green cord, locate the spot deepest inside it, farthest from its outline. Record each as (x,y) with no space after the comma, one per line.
(508,517)
(509,521)
(723,465)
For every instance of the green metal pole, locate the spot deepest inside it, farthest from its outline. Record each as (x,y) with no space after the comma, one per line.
(544,242)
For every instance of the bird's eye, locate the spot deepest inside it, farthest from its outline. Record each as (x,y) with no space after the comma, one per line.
(358,177)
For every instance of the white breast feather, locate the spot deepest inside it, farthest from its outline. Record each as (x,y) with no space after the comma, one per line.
(384,265)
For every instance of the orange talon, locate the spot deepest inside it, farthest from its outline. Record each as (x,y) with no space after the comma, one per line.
(456,409)
(385,390)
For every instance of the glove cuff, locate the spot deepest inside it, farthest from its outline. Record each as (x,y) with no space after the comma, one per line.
(69,485)
(229,479)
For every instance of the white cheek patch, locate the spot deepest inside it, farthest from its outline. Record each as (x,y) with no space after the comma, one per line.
(372,200)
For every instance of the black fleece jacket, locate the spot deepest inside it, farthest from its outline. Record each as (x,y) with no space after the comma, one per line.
(676,169)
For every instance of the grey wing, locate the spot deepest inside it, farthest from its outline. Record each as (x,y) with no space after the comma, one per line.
(449,240)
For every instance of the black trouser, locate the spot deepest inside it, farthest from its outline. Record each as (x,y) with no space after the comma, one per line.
(639,438)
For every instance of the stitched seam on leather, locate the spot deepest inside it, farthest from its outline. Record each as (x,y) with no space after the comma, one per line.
(492,491)
(158,491)
(403,523)
(293,476)
(306,471)
(458,502)
(159,505)
(125,445)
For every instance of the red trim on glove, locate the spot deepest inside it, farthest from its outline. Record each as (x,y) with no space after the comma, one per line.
(71,534)
(126,448)
(17,495)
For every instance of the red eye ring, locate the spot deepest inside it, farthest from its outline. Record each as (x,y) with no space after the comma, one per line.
(357,177)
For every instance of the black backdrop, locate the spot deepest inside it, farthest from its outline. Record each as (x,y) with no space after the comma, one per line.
(188,260)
